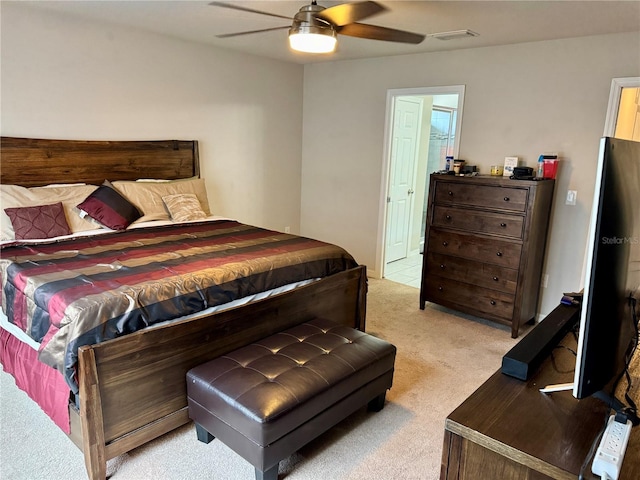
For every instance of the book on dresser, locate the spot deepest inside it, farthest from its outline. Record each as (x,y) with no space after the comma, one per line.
(484,246)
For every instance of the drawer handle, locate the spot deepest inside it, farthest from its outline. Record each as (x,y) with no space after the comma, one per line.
(442,266)
(440,288)
(503,225)
(495,279)
(444,244)
(492,302)
(448,217)
(506,199)
(450,193)
(499,254)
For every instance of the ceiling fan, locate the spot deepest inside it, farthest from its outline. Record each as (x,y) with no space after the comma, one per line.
(314,28)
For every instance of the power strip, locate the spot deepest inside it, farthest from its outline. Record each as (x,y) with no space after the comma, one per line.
(610,454)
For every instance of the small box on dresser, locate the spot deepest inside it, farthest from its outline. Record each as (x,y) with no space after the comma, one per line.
(484,246)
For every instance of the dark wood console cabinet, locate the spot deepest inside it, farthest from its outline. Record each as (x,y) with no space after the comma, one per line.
(509,430)
(484,246)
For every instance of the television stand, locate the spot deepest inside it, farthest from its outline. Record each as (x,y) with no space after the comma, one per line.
(558,387)
(508,429)
(611,401)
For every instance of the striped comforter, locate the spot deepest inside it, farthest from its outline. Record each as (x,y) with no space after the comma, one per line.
(86,290)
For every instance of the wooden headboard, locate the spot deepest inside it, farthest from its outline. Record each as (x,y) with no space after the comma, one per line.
(34,162)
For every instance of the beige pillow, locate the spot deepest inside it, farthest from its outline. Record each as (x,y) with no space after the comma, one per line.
(184,207)
(14,196)
(147,196)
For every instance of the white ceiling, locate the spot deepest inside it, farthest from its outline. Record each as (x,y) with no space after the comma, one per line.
(497,22)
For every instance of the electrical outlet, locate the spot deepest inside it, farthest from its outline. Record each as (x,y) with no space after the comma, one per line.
(287,229)
(571,197)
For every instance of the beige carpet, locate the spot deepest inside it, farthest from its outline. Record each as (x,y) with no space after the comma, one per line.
(442,358)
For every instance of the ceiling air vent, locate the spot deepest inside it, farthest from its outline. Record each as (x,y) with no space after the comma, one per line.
(453,34)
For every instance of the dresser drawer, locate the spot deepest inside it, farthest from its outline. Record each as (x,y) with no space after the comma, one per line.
(480,249)
(504,198)
(477,221)
(470,271)
(448,292)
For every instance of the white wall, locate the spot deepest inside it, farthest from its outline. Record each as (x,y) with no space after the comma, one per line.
(68,78)
(519,100)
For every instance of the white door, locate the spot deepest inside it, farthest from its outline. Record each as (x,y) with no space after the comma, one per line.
(404,149)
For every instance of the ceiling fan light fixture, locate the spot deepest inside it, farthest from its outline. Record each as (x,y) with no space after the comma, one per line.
(310,34)
(312,42)
(315,28)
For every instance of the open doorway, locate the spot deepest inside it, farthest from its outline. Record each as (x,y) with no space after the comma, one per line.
(623,112)
(423,127)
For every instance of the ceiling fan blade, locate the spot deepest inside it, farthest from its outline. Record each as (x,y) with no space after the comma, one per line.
(350,12)
(244,9)
(374,32)
(229,35)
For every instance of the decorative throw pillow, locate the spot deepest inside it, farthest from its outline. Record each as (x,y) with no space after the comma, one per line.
(42,221)
(147,196)
(14,196)
(184,207)
(110,208)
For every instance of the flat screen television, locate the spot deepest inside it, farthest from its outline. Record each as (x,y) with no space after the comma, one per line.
(611,299)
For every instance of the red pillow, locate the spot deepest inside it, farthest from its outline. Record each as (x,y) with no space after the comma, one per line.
(42,221)
(110,208)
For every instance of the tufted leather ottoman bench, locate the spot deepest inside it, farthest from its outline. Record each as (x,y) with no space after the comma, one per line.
(266,400)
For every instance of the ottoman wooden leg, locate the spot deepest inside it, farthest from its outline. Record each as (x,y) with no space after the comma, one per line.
(202,434)
(271,474)
(377,403)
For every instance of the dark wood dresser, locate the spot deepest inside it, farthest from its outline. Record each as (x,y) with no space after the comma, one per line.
(484,246)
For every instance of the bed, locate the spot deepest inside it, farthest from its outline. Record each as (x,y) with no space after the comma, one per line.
(129,387)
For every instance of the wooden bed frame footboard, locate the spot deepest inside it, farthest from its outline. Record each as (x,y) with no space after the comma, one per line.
(133,390)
